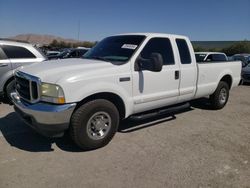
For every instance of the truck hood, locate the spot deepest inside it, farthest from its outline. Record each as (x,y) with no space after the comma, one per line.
(54,70)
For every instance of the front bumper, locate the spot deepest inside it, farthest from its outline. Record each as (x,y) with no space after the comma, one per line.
(47,119)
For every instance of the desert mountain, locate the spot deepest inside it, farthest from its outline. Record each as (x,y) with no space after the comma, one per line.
(41,39)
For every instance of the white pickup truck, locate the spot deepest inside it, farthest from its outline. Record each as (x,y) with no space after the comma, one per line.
(122,76)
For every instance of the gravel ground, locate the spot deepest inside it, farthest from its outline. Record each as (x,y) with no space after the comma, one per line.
(196,148)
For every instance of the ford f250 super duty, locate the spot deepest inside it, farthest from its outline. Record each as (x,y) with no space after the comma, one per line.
(122,76)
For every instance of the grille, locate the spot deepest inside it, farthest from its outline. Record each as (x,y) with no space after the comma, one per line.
(27,87)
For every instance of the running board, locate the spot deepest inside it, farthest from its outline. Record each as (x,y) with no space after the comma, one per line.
(162,111)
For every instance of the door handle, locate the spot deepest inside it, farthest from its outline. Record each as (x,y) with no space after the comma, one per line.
(3,65)
(177,74)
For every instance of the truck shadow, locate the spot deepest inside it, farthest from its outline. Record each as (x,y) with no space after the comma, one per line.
(128,125)
(19,135)
(202,103)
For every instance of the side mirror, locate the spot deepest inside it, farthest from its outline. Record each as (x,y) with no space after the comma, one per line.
(154,63)
(157,62)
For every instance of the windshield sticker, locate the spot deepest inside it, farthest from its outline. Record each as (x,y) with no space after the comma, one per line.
(129,46)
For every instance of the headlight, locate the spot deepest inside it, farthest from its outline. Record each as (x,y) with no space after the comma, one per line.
(52,93)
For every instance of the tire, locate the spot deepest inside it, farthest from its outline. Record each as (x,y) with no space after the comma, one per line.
(220,97)
(10,87)
(91,120)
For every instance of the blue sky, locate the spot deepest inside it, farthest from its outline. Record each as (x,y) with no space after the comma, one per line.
(198,19)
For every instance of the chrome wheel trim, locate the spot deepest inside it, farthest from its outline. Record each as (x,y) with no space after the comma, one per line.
(223,96)
(98,126)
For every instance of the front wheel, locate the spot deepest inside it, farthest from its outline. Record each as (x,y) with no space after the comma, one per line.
(220,97)
(94,124)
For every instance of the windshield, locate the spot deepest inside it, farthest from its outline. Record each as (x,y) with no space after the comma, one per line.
(200,57)
(116,49)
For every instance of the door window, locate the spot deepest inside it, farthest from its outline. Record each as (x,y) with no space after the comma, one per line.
(161,46)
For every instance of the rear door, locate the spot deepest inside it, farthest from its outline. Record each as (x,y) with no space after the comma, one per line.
(156,89)
(5,68)
(188,69)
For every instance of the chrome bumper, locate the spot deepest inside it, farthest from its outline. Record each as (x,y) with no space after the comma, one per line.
(48,119)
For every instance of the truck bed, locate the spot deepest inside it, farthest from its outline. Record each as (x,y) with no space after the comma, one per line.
(209,75)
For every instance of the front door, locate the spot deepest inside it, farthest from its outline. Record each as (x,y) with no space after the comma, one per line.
(156,89)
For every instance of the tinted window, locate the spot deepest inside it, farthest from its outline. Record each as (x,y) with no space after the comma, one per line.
(82,52)
(16,52)
(73,54)
(183,51)
(200,57)
(219,57)
(216,57)
(209,58)
(161,46)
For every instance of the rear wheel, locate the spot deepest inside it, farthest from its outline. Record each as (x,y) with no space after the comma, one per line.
(220,97)
(94,124)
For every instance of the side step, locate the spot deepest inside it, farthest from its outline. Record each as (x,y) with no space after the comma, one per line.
(162,111)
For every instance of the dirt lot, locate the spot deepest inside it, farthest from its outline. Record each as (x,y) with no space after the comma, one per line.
(197,148)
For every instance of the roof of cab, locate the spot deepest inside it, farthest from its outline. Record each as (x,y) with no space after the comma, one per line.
(155,35)
(14,43)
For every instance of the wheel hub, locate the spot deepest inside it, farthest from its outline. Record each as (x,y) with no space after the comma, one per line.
(99,125)
(223,96)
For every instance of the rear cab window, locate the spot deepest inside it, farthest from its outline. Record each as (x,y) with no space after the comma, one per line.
(17,52)
(183,51)
(218,57)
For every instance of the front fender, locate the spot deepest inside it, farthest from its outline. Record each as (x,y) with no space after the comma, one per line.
(80,93)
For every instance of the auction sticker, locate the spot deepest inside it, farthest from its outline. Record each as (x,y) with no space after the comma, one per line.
(129,46)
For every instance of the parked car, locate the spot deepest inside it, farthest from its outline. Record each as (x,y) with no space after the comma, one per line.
(129,75)
(71,53)
(13,55)
(244,58)
(210,56)
(245,74)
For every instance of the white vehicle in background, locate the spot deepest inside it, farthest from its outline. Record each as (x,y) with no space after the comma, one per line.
(130,75)
(49,53)
(210,56)
(84,48)
(14,55)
